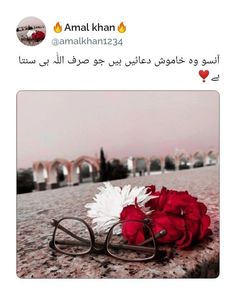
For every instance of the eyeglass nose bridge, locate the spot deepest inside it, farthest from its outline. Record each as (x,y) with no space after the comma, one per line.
(99,248)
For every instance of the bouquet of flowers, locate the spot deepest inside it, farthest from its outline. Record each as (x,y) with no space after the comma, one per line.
(182,216)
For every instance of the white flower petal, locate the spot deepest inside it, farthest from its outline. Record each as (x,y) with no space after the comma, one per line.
(110,201)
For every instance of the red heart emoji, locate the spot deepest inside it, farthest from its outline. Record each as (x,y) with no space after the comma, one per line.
(203,74)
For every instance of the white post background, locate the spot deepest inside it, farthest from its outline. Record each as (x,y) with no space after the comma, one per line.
(154,28)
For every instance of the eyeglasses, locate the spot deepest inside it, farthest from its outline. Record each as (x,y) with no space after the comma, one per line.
(73,236)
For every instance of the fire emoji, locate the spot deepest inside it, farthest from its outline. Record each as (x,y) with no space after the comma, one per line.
(121,28)
(57,28)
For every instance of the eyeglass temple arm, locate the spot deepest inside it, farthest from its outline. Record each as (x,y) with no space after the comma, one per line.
(114,246)
(69,232)
(140,246)
(133,247)
(85,241)
(159,234)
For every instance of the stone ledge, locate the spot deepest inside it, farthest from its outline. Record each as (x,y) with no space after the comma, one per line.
(35,211)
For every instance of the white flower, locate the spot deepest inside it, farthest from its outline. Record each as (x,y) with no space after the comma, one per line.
(110,201)
(30,33)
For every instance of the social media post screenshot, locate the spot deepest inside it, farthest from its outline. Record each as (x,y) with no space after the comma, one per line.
(117,172)
(118,183)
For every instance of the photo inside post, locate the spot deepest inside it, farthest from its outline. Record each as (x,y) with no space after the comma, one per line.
(117,184)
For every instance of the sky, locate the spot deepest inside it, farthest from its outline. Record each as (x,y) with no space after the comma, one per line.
(69,124)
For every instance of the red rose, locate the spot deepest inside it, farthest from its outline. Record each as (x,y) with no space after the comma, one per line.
(174,226)
(38,35)
(179,203)
(133,231)
(180,214)
(151,189)
(153,203)
(177,206)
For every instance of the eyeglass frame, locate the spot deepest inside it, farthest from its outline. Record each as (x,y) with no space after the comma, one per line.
(103,248)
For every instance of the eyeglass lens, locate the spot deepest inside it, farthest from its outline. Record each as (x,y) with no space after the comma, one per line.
(127,241)
(72,237)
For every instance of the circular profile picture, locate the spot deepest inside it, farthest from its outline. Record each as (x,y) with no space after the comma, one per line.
(31,31)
